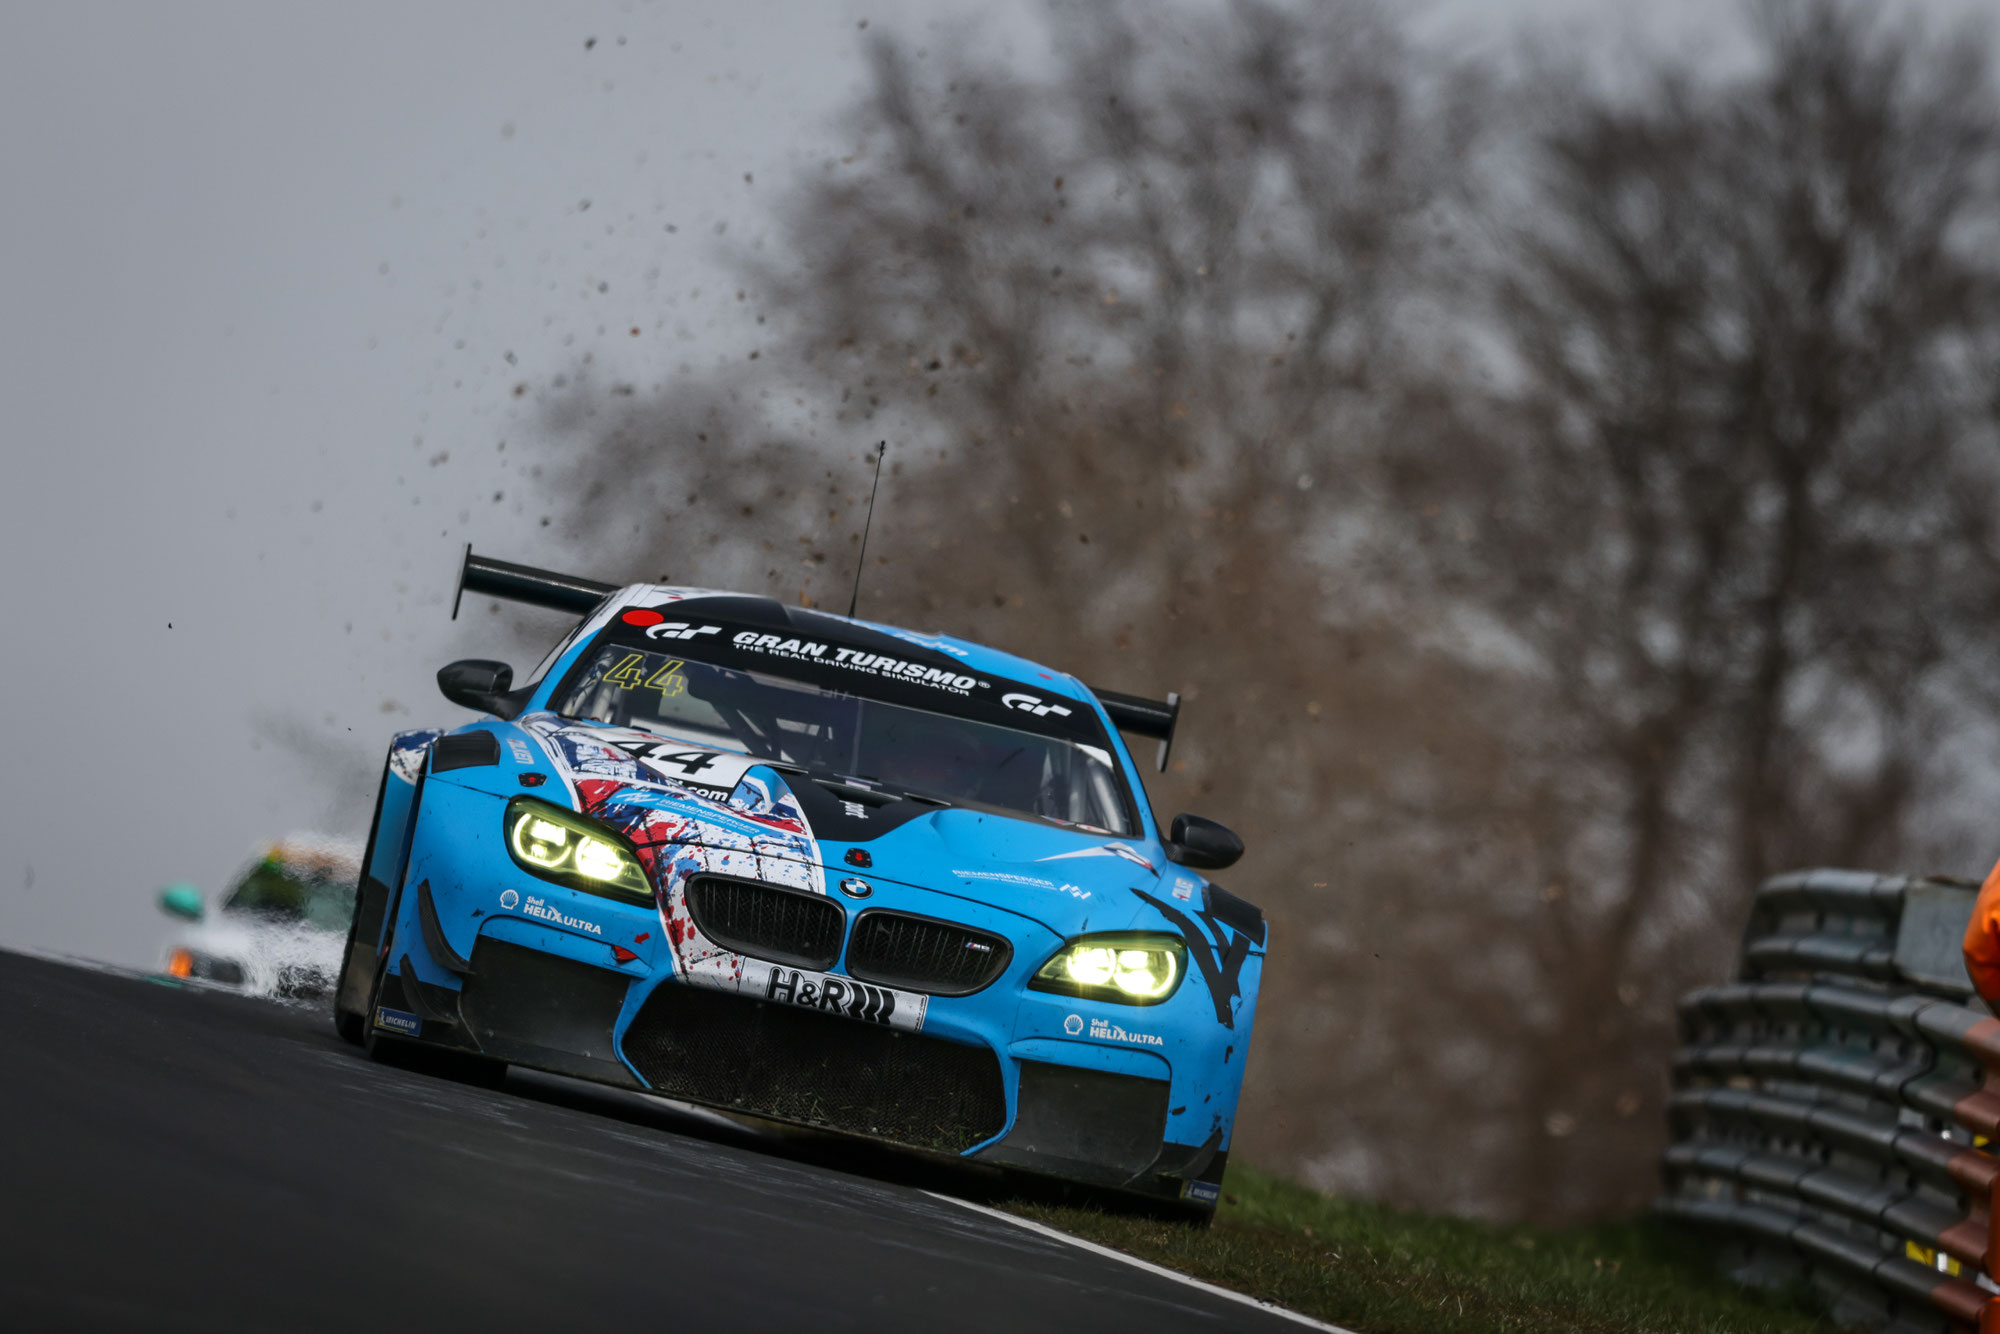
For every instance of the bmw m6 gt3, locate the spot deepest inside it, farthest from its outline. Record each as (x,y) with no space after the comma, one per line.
(815,869)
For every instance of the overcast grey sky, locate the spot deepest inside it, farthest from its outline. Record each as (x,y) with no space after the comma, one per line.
(264,268)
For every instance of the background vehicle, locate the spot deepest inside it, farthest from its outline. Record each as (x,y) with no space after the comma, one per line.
(278,928)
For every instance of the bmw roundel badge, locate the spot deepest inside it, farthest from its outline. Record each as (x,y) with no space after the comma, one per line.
(856,889)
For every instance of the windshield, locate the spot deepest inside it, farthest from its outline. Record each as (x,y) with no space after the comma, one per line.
(271,889)
(912,750)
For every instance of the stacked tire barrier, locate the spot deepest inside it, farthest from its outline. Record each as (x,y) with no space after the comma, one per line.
(1835,1108)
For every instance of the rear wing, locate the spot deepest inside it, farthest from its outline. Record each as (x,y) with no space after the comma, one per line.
(486,577)
(523,583)
(1143,717)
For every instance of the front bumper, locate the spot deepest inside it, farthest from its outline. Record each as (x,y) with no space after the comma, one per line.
(485,958)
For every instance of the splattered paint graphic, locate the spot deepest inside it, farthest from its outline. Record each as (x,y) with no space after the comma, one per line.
(668,799)
(407,751)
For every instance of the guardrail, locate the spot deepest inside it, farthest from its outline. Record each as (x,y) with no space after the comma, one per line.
(1835,1108)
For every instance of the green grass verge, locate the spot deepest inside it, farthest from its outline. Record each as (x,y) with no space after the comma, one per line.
(1382,1271)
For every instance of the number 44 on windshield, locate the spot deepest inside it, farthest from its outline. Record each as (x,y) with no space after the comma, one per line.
(630,674)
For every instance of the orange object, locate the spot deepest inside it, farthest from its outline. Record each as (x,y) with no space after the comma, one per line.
(1982,940)
(180,963)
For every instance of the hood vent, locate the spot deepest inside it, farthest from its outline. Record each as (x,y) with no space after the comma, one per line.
(466,750)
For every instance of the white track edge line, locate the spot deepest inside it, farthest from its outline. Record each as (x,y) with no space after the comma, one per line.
(1270,1308)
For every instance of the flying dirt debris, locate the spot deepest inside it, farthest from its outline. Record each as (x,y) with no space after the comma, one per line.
(1571,498)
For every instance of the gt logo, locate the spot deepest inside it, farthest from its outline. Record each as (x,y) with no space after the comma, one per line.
(680,630)
(1030,704)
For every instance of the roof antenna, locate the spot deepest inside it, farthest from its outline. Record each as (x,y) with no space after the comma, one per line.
(860,563)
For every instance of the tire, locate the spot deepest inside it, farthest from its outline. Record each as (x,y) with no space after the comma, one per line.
(352,1027)
(351,1024)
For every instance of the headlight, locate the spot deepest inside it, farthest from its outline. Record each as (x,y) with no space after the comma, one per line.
(1133,968)
(565,847)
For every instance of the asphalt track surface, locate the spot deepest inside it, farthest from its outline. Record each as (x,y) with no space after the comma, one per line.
(181,1159)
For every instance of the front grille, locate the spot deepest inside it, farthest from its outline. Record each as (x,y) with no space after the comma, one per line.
(923,954)
(772,922)
(816,1069)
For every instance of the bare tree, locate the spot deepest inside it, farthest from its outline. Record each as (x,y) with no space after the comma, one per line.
(1536,575)
(1736,508)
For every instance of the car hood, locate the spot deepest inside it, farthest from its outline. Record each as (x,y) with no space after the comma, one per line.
(1069,880)
(662,792)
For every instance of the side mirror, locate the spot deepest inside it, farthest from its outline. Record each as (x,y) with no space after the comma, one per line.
(479,684)
(182,901)
(1203,844)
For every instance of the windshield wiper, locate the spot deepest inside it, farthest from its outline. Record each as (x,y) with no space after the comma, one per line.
(863,791)
(868,796)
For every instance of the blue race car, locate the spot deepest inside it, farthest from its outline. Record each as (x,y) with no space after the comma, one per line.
(818,870)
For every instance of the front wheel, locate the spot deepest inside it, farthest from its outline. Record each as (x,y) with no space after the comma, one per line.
(354,990)
(354,993)
(352,1027)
